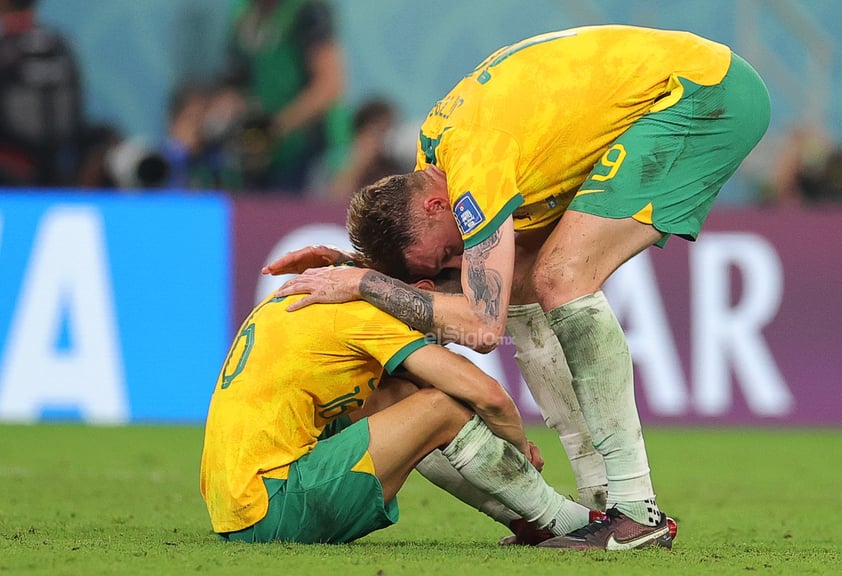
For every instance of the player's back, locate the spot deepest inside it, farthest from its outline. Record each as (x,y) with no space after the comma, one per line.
(285,371)
(286,376)
(556,101)
(574,75)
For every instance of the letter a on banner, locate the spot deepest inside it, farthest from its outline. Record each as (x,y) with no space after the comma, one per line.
(62,351)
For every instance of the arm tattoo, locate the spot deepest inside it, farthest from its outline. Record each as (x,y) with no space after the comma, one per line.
(410,305)
(485,283)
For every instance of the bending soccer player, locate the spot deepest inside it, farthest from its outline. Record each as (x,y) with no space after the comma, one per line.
(555,161)
(303,445)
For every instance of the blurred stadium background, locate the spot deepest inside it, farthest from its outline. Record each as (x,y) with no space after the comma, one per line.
(134,53)
(118,307)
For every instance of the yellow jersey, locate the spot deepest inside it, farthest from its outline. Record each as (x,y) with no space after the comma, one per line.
(520,134)
(286,376)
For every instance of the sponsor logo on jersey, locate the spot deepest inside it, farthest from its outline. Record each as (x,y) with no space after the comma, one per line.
(468,214)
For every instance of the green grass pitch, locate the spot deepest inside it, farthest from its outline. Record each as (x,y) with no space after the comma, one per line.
(80,500)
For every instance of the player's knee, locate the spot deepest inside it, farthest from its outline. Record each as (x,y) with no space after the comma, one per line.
(397,388)
(549,279)
(556,283)
(440,401)
(442,408)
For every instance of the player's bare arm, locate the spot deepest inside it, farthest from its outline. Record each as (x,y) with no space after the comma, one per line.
(487,271)
(476,318)
(459,378)
(411,305)
(484,284)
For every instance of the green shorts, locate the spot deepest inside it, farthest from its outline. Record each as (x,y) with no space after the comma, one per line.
(325,499)
(668,167)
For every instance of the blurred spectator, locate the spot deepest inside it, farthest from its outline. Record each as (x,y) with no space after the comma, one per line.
(40,101)
(184,145)
(822,184)
(284,53)
(221,134)
(808,169)
(371,157)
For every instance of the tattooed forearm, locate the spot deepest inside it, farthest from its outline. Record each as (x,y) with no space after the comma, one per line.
(486,286)
(408,304)
(484,283)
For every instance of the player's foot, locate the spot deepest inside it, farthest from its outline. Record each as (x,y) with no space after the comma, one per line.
(616,531)
(529,534)
(525,534)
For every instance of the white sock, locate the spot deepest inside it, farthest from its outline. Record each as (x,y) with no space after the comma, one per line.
(599,359)
(436,468)
(498,468)
(544,368)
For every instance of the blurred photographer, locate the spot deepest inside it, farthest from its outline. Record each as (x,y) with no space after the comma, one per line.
(216,140)
(184,146)
(109,160)
(133,164)
(285,58)
(236,141)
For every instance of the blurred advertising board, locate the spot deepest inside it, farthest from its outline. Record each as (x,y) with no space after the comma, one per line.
(113,308)
(120,308)
(743,326)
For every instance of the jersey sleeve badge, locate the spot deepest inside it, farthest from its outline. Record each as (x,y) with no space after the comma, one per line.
(468,213)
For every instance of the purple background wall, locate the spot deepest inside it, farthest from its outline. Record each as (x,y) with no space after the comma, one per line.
(741,327)
(803,334)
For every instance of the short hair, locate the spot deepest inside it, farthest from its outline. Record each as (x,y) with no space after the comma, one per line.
(381,224)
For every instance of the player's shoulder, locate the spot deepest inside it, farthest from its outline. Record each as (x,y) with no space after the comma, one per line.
(362,311)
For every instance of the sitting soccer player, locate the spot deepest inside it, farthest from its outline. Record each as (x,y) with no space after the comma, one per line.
(306,441)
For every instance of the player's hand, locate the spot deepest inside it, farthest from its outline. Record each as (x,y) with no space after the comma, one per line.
(535,457)
(324,285)
(315,256)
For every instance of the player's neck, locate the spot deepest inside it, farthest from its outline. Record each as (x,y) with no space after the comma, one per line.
(436,177)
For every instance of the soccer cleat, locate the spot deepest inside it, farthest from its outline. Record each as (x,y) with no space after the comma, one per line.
(525,534)
(529,534)
(673,528)
(616,531)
